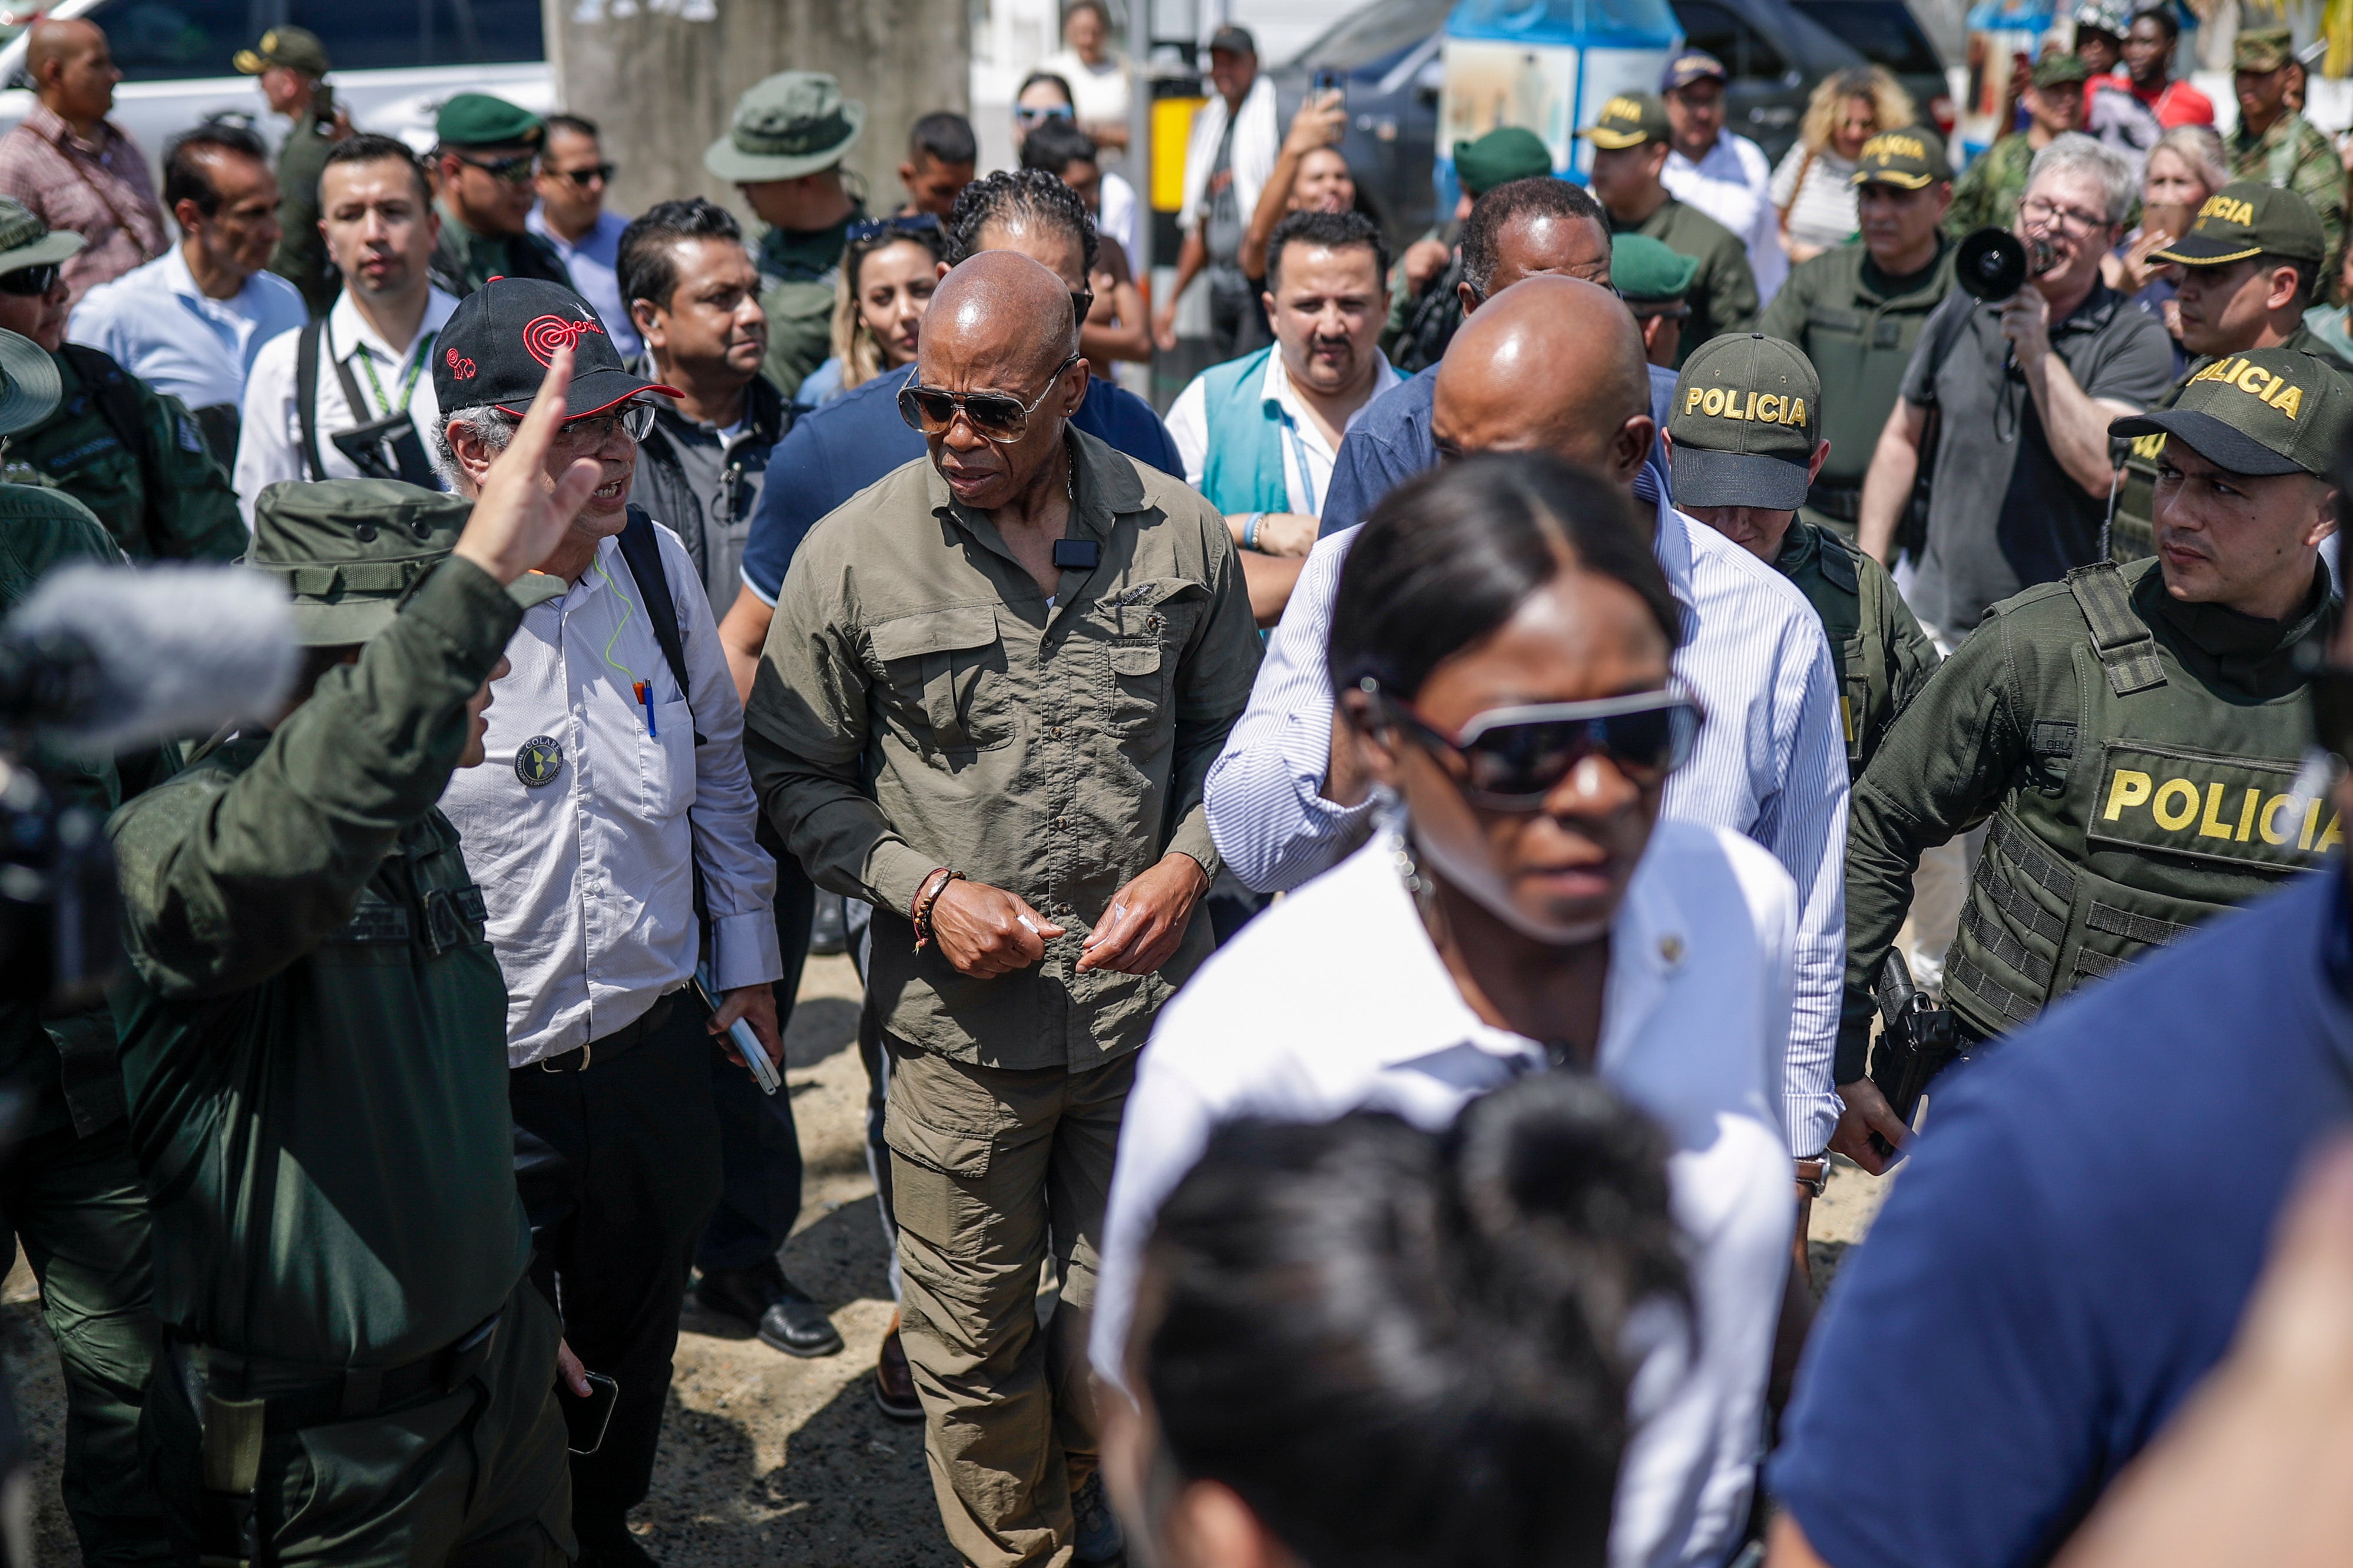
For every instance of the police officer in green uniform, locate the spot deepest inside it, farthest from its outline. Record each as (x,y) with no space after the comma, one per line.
(486,153)
(1991,188)
(2280,147)
(69,1190)
(1423,317)
(2135,733)
(784,150)
(292,65)
(131,455)
(1857,311)
(1744,439)
(1629,149)
(2249,265)
(356,1367)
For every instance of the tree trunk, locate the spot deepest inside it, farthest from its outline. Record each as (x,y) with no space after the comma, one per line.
(660,79)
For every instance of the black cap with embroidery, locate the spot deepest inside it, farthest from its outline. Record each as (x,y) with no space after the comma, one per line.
(496,348)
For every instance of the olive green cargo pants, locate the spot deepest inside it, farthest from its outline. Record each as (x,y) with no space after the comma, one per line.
(475,1478)
(77,1208)
(990,1170)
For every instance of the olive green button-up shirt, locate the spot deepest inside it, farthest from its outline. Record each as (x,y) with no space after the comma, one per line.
(920,704)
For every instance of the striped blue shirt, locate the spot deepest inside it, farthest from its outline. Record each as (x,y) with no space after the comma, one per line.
(1770,763)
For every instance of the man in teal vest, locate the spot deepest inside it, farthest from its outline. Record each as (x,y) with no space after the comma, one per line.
(1258,435)
(2134,734)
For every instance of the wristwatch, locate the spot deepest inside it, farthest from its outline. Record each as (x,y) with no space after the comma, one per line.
(1814,1175)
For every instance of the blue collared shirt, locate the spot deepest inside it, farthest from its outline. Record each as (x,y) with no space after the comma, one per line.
(1770,764)
(158,325)
(833,452)
(594,265)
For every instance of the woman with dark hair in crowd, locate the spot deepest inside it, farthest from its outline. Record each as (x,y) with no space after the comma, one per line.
(1043,98)
(1357,1342)
(1499,645)
(888,268)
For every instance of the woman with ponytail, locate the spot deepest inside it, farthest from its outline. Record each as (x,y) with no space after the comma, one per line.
(1500,648)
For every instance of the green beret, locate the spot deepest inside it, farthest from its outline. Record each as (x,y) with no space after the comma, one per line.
(1500,157)
(351,552)
(2053,70)
(1643,269)
(478,120)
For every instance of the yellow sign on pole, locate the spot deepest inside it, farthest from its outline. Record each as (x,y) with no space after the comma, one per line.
(1172,128)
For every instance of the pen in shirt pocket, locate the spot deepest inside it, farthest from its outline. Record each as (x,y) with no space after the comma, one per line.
(646,695)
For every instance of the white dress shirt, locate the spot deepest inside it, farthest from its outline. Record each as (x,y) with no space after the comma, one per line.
(594,261)
(159,326)
(589,877)
(1335,1000)
(1733,183)
(1770,762)
(269,441)
(1121,217)
(1307,457)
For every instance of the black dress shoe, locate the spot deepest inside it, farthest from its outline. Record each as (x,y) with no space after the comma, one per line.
(781,1313)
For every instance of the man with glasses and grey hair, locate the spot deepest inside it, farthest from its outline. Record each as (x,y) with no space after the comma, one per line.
(613,838)
(1028,622)
(485,158)
(2022,392)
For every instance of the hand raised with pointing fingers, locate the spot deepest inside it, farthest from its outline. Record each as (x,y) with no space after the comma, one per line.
(520,517)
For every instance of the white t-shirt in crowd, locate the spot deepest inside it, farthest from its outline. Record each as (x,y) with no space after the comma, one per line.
(1732,183)
(1824,213)
(1335,1000)
(1097,92)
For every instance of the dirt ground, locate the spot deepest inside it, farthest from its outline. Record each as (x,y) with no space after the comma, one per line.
(767,1460)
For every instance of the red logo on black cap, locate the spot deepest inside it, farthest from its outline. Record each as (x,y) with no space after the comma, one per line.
(460,367)
(543,335)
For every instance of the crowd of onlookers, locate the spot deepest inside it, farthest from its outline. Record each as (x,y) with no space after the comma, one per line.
(1374,887)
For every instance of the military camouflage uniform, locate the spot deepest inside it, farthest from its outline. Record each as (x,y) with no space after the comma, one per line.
(464,260)
(2293,155)
(1989,190)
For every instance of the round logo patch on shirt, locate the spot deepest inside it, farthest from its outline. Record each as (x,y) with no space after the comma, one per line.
(538,761)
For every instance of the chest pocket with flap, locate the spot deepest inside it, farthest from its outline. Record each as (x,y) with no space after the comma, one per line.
(946,676)
(1147,626)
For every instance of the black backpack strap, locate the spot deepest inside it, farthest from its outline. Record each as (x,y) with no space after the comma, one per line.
(641,549)
(306,394)
(2127,652)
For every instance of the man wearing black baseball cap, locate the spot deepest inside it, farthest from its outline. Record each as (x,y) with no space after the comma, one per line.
(2250,264)
(605,902)
(1720,172)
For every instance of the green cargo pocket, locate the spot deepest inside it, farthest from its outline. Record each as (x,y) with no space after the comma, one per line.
(947,1166)
(946,671)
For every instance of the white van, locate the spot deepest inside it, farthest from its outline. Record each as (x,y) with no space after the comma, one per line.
(395,60)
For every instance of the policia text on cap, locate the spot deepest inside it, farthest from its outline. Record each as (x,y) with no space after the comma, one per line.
(2134,732)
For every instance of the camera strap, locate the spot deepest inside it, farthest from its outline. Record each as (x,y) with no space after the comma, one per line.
(641,550)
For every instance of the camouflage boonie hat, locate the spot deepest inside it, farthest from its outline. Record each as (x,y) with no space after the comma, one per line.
(27,241)
(2267,411)
(791,124)
(29,387)
(2263,49)
(353,550)
(1629,120)
(2248,218)
(296,49)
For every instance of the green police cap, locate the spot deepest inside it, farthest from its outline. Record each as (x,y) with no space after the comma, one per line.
(2268,411)
(296,49)
(1912,158)
(2052,70)
(478,120)
(1646,271)
(1629,120)
(788,125)
(2248,218)
(1745,421)
(352,550)
(27,241)
(2263,49)
(1507,153)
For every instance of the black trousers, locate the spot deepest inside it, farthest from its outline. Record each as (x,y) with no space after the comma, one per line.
(627,1172)
(759,1148)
